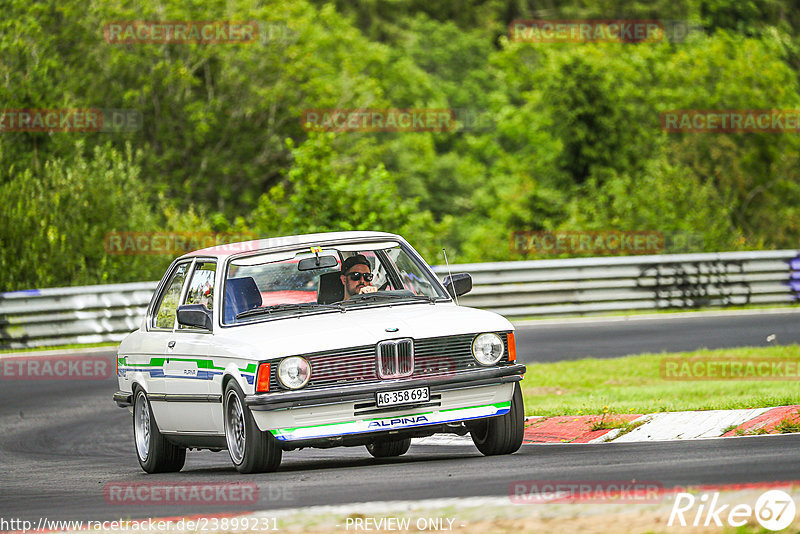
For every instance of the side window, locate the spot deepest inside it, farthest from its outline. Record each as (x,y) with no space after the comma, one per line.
(378,268)
(411,275)
(165,317)
(201,286)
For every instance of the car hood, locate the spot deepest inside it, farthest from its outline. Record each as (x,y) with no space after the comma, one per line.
(355,327)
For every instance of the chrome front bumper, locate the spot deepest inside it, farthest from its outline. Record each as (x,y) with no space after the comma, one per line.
(347,410)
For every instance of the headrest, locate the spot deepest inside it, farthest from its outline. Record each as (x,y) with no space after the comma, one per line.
(241,294)
(330,288)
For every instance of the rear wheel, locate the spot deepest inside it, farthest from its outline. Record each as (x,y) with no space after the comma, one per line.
(387,449)
(502,434)
(155,453)
(251,450)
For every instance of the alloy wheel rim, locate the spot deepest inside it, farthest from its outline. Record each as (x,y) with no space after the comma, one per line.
(234,428)
(141,427)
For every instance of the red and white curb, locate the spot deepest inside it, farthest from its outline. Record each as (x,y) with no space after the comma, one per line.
(688,425)
(665,426)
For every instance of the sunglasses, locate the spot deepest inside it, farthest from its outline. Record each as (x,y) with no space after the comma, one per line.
(356,276)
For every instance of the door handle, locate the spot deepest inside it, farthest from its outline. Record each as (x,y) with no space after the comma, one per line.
(171,344)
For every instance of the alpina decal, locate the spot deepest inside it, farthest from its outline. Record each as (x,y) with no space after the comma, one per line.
(399,421)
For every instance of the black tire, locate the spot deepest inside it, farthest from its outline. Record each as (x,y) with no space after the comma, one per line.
(155,453)
(502,434)
(387,449)
(251,450)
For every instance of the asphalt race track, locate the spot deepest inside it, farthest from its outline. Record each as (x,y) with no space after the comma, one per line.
(549,341)
(62,442)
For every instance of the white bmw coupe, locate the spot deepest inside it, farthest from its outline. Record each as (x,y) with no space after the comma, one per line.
(320,340)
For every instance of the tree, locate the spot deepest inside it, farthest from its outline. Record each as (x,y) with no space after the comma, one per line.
(326,193)
(54,223)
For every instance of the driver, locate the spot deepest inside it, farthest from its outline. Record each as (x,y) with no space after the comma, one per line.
(356,276)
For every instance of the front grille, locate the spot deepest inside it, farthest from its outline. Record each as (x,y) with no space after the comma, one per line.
(395,358)
(432,358)
(441,356)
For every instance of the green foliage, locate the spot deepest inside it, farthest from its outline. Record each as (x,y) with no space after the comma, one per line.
(570,137)
(663,198)
(54,224)
(326,193)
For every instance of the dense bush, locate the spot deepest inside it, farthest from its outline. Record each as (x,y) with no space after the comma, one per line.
(570,137)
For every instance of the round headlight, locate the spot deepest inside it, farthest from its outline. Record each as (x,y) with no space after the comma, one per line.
(487,349)
(294,372)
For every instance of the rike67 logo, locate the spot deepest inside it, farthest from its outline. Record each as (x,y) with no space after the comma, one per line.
(774,510)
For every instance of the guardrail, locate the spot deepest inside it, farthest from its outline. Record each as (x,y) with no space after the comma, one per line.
(67,315)
(608,284)
(577,286)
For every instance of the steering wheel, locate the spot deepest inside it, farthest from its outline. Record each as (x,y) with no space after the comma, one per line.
(384,286)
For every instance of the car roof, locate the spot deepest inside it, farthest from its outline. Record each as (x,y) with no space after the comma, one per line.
(223,251)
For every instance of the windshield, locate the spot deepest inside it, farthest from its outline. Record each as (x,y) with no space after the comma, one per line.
(309,280)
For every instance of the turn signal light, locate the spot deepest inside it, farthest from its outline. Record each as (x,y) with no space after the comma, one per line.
(262,378)
(512,347)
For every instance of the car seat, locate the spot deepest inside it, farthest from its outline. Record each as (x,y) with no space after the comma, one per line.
(330,288)
(241,294)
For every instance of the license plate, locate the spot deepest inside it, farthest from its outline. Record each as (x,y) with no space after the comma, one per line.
(403,396)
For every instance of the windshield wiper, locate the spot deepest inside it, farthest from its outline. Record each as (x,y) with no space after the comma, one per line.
(288,307)
(392,295)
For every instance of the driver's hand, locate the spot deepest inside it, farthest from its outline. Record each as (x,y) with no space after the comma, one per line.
(367,289)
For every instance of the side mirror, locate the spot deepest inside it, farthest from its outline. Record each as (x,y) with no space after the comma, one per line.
(458,284)
(196,315)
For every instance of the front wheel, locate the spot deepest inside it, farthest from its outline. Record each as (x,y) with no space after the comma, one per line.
(502,434)
(387,449)
(155,453)
(251,450)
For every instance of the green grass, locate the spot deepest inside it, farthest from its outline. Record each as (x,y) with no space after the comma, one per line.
(608,422)
(756,432)
(636,312)
(788,426)
(634,384)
